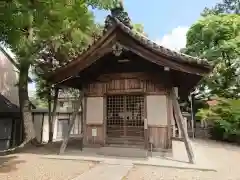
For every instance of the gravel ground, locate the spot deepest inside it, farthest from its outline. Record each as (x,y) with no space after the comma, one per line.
(224,156)
(32,167)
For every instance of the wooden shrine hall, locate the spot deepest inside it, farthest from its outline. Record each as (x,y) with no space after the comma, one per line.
(131,86)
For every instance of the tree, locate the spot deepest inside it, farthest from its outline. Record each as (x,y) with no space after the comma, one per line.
(227,6)
(139,28)
(27,27)
(224,118)
(59,52)
(217,38)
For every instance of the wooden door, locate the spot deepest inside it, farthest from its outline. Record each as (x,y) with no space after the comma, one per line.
(125,116)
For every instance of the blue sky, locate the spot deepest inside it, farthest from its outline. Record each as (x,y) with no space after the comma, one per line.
(163,18)
(165,22)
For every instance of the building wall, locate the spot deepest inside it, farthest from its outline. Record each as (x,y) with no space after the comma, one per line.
(94,120)
(94,110)
(157,110)
(8,79)
(158,120)
(41,125)
(38,123)
(146,84)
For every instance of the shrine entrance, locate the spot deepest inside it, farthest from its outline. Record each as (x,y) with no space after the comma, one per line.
(125,119)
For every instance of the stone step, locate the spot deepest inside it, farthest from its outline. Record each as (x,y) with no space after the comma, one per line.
(128,141)
(138,146)
(123,152)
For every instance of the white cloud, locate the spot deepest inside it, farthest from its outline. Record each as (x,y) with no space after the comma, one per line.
(174,40)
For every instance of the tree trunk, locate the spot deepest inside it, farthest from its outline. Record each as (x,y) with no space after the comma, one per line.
(53,115)
(72,120)
(25,109)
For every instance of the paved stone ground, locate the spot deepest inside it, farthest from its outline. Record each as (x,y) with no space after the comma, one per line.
(32,167)
(224,156)
(105,172)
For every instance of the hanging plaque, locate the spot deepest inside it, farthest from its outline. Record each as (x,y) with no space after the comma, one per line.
(94,132)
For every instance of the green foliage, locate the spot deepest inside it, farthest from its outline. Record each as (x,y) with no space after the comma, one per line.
(217,38)
(76,32)
(139,28)
(226,6)
(205,114)
(52,32)
(225,118)
(39,103)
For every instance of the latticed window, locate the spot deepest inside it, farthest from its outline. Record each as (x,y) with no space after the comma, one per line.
(125,116)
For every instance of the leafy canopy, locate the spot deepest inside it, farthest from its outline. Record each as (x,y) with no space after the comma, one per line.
(217,38)
(226,6)
(225,119)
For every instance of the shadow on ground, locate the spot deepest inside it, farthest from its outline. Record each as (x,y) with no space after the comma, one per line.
(51,148)
(9,163)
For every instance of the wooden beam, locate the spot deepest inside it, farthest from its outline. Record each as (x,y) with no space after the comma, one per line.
(179,119)
(86,59)
(72,120)
(169,120)
(84,116)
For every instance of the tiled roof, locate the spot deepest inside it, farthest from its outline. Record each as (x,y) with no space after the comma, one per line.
(143,40)
(160,49)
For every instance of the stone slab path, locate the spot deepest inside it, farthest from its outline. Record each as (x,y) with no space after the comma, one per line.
(106,172)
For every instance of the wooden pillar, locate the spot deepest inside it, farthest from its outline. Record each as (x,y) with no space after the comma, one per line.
(84,119)
(72,121)
(179,119)
(169,121)
(192,115)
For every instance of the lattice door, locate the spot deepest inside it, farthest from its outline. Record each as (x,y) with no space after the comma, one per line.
(125,116)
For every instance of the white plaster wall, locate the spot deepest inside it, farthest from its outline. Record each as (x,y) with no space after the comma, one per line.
(45,129)
(77,125)
(157,110)
(8,79)
(37,126)
(59,116)
(176,91)
(94,110)
(42,128)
